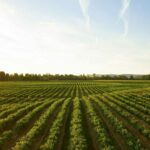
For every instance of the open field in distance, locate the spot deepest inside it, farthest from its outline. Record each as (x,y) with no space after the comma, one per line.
(75,115)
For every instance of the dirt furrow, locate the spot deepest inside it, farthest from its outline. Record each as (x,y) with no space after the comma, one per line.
(89,132)
(15,138)
(136,133)
(117,139)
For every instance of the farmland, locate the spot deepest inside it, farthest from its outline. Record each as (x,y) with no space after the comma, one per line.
(75,115)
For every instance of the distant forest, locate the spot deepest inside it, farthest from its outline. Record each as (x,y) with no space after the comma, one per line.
(47,77)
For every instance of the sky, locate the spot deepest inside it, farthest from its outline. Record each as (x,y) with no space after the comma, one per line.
(75,36)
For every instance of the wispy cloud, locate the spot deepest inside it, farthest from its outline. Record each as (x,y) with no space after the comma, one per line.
(84,4)
(123,13)
(21,39)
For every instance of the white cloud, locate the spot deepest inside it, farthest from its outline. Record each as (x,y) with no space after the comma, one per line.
(123,17)
(56,47)
(5,8)
(84,4)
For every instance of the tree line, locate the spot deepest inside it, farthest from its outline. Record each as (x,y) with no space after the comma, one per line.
(47,77)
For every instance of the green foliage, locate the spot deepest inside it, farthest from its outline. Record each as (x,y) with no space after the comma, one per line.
(74,115)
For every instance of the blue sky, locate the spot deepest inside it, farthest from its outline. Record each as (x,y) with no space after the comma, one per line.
(75,36)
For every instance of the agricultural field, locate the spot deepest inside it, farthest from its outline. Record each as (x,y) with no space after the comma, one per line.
(75,115)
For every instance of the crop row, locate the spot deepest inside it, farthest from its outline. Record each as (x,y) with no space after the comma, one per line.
(130,140)
(77,139)
(55,130)
(26,141)
(103,139)
(131,109)
(132,119)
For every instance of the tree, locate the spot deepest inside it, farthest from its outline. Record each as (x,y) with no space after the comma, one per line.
(2,75)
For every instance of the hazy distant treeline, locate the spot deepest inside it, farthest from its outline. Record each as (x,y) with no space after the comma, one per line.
(47,77)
